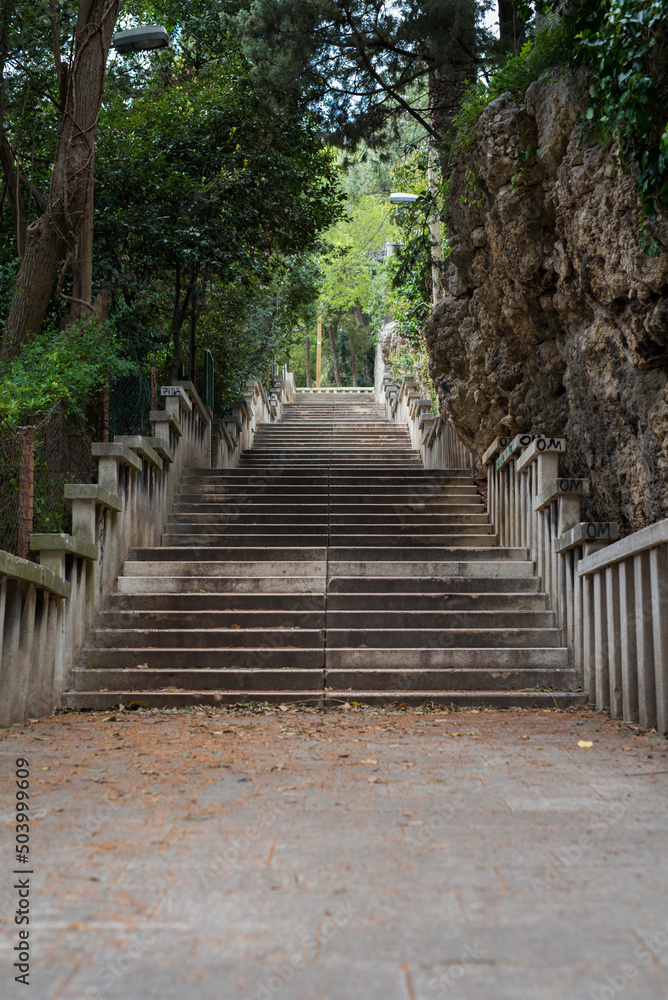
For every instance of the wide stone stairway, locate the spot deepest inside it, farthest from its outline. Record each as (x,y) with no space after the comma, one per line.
(329,566)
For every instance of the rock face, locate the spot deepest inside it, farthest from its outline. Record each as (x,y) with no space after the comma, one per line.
(555,321)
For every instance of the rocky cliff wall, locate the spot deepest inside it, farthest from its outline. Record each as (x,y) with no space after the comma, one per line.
(555,321)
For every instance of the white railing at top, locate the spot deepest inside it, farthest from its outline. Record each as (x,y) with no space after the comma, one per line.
(336,389)
(47,610)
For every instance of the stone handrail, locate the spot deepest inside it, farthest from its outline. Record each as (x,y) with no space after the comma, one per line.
(47,609)
(625,628)
(234,433)
(610,598)
(433,436)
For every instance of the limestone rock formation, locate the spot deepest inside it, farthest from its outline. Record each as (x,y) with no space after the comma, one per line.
(555,320)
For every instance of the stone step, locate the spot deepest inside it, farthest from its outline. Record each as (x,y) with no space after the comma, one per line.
(375,522)
(163,618)
(235,678)
(395,554)
(222,554)
(457,679)
(193,640)
(346,510)
(216,658)
(230,567)
(443,571)
(183,698)
(439,638)
(304,585)
(243,541)
(435,583)
(357,618)
(310,525)
(427,602)
(225,601)
(435,658)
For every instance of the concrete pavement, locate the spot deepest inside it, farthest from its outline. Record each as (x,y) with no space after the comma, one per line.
(353,854)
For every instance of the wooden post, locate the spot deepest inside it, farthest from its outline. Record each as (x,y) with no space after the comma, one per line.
(103,398)
(307,357)
(154,386)
(318,356)
(26,489)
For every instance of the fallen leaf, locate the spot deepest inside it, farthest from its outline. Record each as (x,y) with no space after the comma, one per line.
(585,743)
(235,626)
(368,761)
(142,666)
(372,780)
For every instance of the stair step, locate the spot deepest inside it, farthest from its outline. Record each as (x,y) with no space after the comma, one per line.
(369,638)
(457,679)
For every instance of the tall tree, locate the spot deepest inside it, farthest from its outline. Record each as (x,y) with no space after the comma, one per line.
(364,62)
(48,244)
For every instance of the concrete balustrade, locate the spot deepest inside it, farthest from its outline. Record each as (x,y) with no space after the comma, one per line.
(234,433)
(47,610)
(433,436)
(625,626)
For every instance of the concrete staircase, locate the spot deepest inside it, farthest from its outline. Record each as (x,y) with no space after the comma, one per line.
(328,566)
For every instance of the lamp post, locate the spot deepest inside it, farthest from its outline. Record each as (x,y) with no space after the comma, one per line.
(403,198)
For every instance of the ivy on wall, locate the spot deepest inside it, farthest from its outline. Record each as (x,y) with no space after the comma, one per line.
(624,46)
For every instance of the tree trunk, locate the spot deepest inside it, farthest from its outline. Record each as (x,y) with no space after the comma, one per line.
(353,359)
(179,313)
(435,230)
(53,237)
(307,359)
(335,353)
(511,28)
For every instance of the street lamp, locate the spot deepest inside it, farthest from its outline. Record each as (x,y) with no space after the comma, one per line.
(403,198)
(400,198)
(147,36)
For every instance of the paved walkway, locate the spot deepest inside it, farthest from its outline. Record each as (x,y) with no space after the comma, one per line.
(351,855)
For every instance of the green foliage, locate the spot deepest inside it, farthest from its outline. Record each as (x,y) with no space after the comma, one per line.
(624,46)
(358,62)
(416,363)
(548,47)
(625,43)
(59,370)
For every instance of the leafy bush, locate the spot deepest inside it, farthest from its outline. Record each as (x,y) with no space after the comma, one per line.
(60,370)
(623,42)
